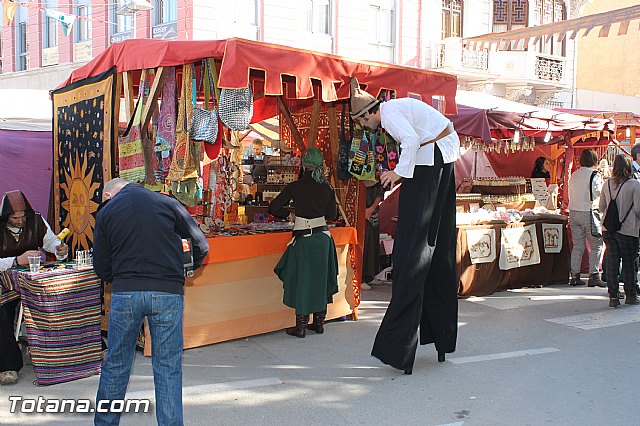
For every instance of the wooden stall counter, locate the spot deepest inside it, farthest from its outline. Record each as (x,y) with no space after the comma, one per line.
(502,256)
(236,293)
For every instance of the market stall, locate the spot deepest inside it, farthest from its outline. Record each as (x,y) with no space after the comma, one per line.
(235,293)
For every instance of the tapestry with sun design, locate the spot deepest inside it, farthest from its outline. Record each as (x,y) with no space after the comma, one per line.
(82,161)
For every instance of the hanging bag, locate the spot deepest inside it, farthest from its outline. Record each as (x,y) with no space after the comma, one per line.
(596,215)
(236,107)
(361,159)
(131,164)
(204,126)
(184,165)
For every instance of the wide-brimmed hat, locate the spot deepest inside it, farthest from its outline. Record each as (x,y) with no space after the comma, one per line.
(361,101)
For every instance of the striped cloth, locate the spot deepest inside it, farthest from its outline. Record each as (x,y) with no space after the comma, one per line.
(62,318)
(8,292)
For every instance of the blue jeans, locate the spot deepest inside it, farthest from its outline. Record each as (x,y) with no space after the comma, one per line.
(164,314)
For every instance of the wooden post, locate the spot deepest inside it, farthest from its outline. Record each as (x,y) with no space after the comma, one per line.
(152,100)
(295,133)
(116,102)
(128,94)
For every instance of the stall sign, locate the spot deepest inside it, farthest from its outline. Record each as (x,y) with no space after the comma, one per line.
(482,245)
(552,236)
(519,247)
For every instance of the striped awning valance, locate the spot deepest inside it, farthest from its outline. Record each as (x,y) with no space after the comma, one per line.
(570,27)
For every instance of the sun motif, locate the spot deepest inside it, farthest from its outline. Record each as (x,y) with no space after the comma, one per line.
(78,190)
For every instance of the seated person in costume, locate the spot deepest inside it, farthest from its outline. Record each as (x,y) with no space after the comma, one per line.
(23,233)
(308,268)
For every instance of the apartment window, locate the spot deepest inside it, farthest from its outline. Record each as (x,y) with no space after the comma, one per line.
(82,26)
(21,46)
(382,20)
(318,16)
(122,22)
(547,11)
(165,11)
(49,32)
(451,18)
(511,15)
(20,22)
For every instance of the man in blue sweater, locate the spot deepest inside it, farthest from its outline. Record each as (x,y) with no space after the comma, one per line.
(138,249)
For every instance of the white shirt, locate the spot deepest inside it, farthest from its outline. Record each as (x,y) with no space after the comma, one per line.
(579,190)
(411,122)
(49,243)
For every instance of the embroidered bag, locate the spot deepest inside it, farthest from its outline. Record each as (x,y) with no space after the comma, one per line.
(183,165)
(166,130)
(361,159)
(204,126)
(131,164)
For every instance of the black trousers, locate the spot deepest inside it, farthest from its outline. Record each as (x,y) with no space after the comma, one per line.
(425,283)
(625,248)
(10,354)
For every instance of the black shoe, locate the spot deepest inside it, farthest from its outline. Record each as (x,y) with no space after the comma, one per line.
(408,371)
(614,302)
(595,281)
(575,281)
(631,299)
(441,356)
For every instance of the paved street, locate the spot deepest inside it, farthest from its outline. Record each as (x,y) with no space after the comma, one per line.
(554,355)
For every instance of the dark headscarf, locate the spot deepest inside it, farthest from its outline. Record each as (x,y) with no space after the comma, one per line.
(14,201)
(32,232)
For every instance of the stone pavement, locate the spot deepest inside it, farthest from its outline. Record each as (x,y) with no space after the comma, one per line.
(553,355)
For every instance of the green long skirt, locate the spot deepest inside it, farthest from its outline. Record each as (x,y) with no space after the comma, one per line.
(308,270)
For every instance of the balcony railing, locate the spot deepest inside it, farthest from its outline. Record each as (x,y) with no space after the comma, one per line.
(475,59)
(469,59)
(549,69)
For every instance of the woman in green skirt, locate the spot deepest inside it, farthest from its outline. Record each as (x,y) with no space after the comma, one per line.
(309,267)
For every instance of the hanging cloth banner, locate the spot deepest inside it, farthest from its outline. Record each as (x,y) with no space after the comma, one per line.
(65,19)
(552,236)
(482,245)
(519,247)
(9,11)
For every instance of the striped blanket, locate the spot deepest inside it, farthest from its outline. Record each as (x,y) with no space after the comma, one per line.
(8,292)
(62,319)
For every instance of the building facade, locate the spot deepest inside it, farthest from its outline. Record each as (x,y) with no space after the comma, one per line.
(608,77)
(421,33)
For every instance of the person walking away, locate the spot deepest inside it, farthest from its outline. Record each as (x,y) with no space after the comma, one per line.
(621,238)
(425,282)
(585,186)
(308,268)
(138,249)
(23,232)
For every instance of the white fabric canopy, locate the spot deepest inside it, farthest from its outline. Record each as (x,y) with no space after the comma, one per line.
(25,109)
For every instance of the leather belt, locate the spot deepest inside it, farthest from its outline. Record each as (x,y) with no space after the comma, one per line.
(302,232)
(446,132)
